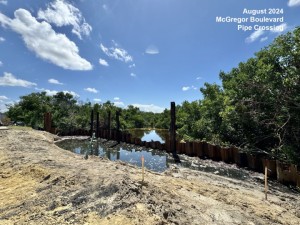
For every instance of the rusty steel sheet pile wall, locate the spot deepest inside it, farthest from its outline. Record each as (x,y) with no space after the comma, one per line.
(287,173)
(256,162)
(284,173)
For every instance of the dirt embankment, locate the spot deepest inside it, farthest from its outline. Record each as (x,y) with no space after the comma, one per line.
(43,184)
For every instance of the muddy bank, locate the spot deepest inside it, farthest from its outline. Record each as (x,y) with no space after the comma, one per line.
(43,184)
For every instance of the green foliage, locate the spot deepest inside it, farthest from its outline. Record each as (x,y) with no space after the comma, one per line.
(163,120)
(132,118)
(68,114)
(187,117)
(30,109)
(265,93)
(257,107)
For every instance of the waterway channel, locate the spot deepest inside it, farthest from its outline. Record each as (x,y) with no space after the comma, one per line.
(155,160)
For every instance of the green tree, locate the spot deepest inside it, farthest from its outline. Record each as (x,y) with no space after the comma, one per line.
(64,110)
(187,116)
(164,120)
(264,98)
(30,109)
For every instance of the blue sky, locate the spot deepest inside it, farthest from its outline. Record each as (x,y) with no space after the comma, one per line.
(130,52)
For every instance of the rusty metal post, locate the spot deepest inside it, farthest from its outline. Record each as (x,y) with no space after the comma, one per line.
(108,124)
(92,122)
(173,129)
(47,122)
(97,125)
(118,125)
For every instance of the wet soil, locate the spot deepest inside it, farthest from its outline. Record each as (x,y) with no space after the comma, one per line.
(43,184)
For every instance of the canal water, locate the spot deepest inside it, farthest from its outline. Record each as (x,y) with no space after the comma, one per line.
(150,135)
(155,160)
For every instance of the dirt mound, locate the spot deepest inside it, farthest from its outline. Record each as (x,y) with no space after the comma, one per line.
(43,184)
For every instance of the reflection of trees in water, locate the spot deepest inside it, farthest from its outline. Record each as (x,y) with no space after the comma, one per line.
(147,132)
(84,146)
(71,145)
(95,150)
(163,134)
(156,159)
(139,133)
(112,153)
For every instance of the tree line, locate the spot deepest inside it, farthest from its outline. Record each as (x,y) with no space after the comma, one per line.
(70,114)
(256,108)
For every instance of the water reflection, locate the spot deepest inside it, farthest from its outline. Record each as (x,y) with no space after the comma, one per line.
(155,160)
(150,135)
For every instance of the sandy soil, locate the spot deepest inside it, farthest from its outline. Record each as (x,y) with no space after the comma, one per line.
(43,184)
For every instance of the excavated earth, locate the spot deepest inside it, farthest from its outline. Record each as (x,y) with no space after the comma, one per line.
(43,184)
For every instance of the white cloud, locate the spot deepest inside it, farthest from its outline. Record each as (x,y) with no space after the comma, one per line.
(48,92)
(293,3)
(3,2)
(97,100)
(133,74)
(258,33)
(116,98)
(1,63)
(116,52)
(53,81)
(132,65)
(10,80)
(149,108)
(199,78)
(186,88)
(3,107)
(254,36)
(45,42)
(2,39)
(119,104)
(54,92)
(152,50)
(62,13)
(3,97)
(280,28)
(103,62)
(93,90)
(4,103)
(263,39)
(72,93)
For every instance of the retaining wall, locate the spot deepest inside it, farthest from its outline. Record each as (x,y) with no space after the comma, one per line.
(284,173)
